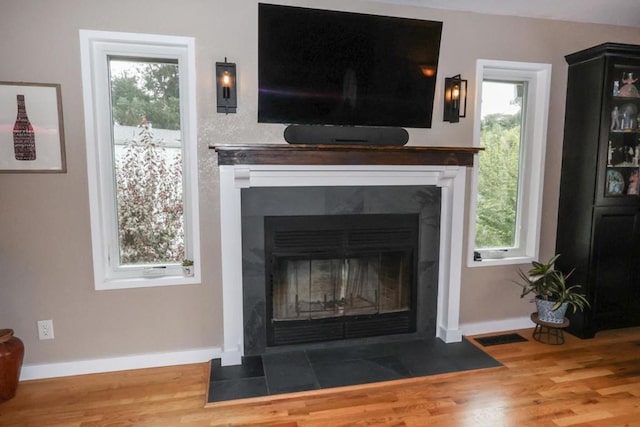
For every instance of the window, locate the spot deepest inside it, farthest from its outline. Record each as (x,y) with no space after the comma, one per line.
(508,178)
(139,103)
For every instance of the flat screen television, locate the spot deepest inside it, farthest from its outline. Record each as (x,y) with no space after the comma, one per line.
(321,67)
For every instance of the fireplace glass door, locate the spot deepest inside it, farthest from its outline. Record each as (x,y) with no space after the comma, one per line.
(335,277)
(332,287)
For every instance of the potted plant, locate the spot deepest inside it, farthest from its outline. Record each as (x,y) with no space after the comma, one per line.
(187,267)
(553,295)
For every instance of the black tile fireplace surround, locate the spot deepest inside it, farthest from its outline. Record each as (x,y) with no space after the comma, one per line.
(260,202)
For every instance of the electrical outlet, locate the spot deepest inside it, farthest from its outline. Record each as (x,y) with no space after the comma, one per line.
(45,329)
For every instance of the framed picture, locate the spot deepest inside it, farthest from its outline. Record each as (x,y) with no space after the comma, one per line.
(31,128)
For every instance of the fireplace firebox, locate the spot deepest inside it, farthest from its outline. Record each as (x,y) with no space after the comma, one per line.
(333,277)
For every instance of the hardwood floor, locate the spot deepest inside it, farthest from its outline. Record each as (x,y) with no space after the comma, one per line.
(581,383)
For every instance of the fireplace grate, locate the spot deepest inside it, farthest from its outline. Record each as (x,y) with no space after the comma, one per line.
(400,323)
(381,238)
(296,332)
(286,333)
(295,239)
(355,231)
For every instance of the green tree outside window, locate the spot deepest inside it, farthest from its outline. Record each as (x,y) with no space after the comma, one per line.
(499,165)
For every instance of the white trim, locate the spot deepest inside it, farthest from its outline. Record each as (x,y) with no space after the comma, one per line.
(231,240)
(512,324)
(538,76)
(140,361)
(451,179)
(95,47)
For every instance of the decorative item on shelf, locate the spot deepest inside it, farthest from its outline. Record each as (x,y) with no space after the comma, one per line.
(226,88)
(11,357)
(632,187)
(187,267)
(455,99)
(628,116)
(615,183)
(628,88)
(615,118)
(553,296)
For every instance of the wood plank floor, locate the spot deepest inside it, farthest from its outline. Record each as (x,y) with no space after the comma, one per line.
(581,383)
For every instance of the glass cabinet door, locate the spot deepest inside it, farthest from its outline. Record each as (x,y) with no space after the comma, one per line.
(623,151)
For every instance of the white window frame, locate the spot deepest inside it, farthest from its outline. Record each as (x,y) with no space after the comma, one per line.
(534,138)
(95,49)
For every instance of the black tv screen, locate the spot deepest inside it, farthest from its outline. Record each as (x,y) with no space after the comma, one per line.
(339,68)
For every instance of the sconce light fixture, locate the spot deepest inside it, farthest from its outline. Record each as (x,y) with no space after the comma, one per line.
(226,89)
(455,99)
(428,70)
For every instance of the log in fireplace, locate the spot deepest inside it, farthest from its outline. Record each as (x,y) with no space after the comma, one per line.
(335,277)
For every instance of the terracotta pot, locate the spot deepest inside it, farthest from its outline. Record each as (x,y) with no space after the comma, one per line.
(11,356)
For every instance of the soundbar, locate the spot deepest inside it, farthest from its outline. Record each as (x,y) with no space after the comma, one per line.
(345,135)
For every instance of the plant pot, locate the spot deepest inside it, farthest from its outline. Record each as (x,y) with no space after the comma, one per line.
(11,356)
(545,313)
(187,270)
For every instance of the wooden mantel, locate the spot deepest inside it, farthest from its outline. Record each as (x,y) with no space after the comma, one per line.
(285,154)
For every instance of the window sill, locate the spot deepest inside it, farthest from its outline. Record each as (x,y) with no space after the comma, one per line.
(147,282)
(492,262)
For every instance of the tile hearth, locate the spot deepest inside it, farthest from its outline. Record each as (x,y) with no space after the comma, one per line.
(315,369)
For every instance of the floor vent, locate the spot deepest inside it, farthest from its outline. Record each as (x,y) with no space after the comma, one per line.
(500,339)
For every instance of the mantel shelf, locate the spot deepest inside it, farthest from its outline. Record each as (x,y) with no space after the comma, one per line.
(284,154)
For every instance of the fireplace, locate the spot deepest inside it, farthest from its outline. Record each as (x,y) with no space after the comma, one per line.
(328,236)
(277,168)
(333,277)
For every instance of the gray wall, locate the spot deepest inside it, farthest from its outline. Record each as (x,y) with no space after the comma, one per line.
(45,242)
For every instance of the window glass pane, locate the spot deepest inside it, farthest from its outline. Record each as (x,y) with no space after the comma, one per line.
(147,153)
(499,164)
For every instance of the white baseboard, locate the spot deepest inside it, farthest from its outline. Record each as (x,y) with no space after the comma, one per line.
(140,361)
(511,324)
(154,360)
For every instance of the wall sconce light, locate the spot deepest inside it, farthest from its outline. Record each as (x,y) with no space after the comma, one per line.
(455,95)
(226,89)
(428,70)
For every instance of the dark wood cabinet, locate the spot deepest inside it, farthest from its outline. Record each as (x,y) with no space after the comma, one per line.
(616,251)
(599,208)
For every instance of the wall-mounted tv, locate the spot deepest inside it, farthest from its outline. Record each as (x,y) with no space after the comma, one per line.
(340,68)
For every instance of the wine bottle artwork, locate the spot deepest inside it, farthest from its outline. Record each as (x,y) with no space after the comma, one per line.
(24,138)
